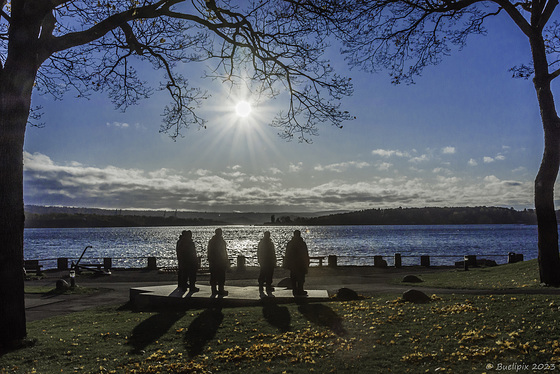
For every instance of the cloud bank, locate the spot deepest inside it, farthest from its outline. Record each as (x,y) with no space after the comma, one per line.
(73,184)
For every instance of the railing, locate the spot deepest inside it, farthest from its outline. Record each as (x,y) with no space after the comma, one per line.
(397,260)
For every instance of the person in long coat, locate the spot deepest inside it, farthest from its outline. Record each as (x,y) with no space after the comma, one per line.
(297,261)
(218,262)
(266,255)
(188,262)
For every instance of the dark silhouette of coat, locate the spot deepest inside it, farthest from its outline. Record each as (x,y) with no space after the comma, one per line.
(187,259)
(217,253)
(218,262)
(266,254)
(297,256)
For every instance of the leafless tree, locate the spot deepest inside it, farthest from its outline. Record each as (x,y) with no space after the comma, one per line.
(55,46)
(405,36)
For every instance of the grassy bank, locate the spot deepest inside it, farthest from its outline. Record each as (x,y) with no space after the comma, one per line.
(519,275)
(456,333)
(452,333)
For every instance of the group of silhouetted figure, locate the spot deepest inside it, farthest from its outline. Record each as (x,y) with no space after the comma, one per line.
(296,260)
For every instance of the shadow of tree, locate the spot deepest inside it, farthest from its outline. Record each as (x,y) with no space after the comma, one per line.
(152,328)
(277,316)
(202,329)
(323,315)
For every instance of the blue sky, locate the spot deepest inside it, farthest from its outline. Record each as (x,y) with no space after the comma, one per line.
(466,134)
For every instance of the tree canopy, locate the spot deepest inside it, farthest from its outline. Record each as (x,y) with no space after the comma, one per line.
(92,45)
(58,46)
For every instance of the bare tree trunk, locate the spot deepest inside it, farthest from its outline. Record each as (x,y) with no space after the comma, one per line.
(12,306)
(548,256)
(17,77)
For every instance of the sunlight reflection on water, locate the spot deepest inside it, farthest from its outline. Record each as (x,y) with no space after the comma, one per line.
(354,245)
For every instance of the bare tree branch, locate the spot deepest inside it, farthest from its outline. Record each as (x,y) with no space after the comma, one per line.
(273,50)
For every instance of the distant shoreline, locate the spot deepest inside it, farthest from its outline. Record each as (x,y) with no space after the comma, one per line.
(398,216)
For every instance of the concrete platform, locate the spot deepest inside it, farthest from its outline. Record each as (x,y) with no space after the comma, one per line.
(157,297)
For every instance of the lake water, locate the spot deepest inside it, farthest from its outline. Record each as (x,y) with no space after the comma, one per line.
(354,245)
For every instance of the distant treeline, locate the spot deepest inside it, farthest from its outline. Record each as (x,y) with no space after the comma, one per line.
(63,220)
(399,216)
(426,216)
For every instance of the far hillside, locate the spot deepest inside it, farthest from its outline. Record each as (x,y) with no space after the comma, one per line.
(427,216)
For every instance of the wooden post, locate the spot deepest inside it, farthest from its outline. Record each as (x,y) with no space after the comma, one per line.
(425,261)
(240,263)
(62,263)
(152,263)
(398,260)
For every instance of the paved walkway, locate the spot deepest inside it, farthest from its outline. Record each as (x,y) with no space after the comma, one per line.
(151,286)
(171,296)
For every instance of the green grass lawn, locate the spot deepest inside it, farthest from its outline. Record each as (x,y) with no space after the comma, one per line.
(519,275)
(452,333)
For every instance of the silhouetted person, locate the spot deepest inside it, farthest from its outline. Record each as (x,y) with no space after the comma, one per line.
(218,262)
(267,260)
(188,261)
(297,261)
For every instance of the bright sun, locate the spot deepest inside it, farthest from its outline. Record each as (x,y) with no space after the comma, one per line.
(243,109)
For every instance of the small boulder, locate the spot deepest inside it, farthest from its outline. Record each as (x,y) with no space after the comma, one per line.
(486,262)
(416,297)
(346,294)
(286,283)
(62,285)
(412,279)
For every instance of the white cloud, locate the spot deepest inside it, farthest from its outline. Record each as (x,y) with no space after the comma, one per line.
(235,174)
(448,150)
(500,157)
(418,159)
(487,159)
(472,162)
(202,172)
(122,125)
(49,183)
(342,166)
(389,153)
(491,179)
(440,170)
(294,168)
(383,166)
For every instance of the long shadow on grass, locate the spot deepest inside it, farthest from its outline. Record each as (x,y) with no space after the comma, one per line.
(322,315)
(149,330)
(202,329)
(277,316)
